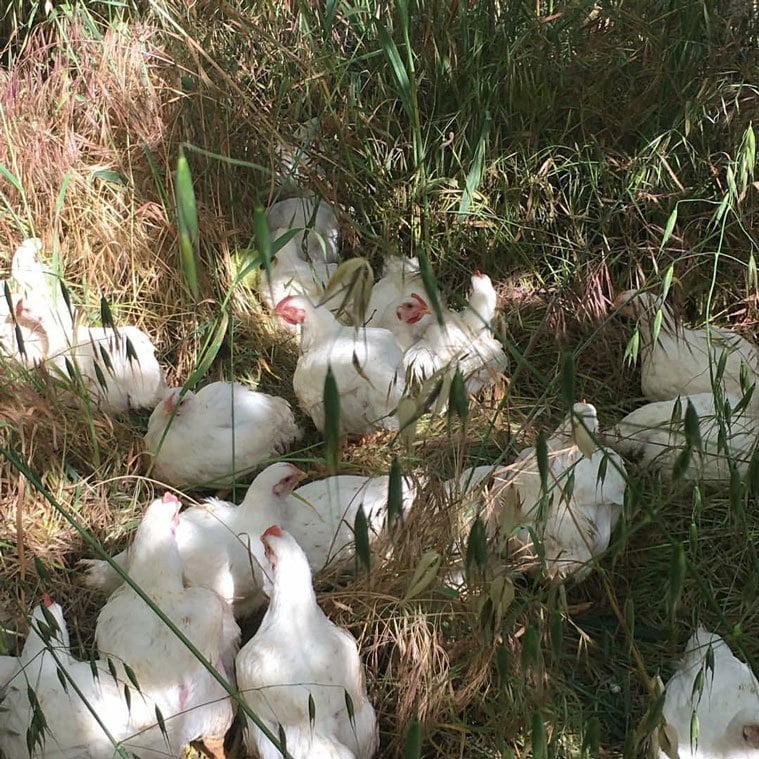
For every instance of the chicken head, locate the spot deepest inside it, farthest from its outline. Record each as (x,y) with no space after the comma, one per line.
(290,476)
(289,310)
(173,401)
(412,309)
(276,532)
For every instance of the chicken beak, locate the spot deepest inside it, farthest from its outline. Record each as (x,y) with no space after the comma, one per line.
(422,305)
(288,484)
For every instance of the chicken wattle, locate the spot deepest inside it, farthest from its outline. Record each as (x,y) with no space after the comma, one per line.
(299,669)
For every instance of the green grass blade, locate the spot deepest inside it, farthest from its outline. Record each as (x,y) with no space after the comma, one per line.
(361,537)
(394,493)
(430,287)
(187,220)
(412,745)
(568,380)
(210,349)
(474,177)
(331,421)
(539,736)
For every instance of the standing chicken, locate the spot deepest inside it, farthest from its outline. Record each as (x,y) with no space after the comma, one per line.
(366,364)
(656,435)
(214,538)
(129,631)
(575,510)
(464,340)
(218,434)
(86,706)
(300,669)
(726,703)
(683,361)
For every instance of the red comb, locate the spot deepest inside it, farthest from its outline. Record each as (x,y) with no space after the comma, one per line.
(169,498)
(275,531)
(477,273)
(19,309)
(47,599)
(418,298)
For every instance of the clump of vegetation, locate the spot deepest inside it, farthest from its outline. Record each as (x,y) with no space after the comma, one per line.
(569,151)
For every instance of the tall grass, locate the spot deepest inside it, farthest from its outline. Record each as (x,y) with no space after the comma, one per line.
(568,150)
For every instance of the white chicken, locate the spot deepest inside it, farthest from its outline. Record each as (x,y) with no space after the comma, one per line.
(39,287)
(574,514)
(320,515)
(726,705)
(216,534)
(655,434)
(213,540)
(299,658)
(218,434)
(129,631)
(366,364)
(37,317)
(291,275)
(395,304)
(320,239)
(117,365)
(684,361)
(465,341)
(90,711)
